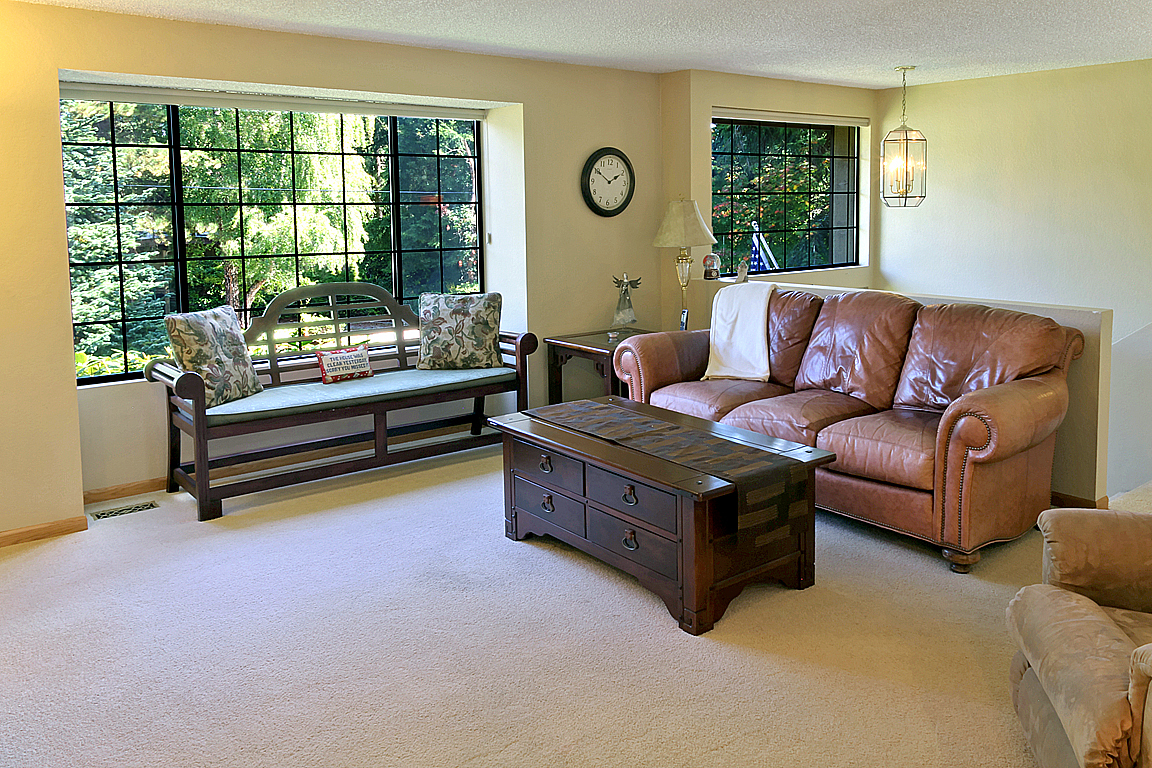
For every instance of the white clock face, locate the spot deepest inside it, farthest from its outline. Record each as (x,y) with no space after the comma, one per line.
(609,182)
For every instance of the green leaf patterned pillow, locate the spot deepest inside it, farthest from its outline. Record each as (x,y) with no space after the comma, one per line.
(211,344)
(459,331)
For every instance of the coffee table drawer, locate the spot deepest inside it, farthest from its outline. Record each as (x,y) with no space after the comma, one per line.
(547,505)
(632,498)
(636,544)
(548,466)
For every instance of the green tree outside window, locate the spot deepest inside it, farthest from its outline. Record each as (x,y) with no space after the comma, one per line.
(268,200)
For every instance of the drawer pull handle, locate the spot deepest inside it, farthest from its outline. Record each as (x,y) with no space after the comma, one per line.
(545,463)
(629,541)
(629,496)
(547,504)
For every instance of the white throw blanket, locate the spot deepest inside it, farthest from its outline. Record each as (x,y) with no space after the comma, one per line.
(738,338)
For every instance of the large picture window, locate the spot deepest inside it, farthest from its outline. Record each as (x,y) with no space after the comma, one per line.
(179,208)
(784,195)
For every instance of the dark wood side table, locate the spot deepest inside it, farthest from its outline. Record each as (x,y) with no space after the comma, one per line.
(595,346)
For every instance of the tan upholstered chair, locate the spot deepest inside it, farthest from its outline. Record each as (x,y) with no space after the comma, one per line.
(1079,680)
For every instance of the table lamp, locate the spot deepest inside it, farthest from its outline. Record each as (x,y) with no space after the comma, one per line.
(683,227)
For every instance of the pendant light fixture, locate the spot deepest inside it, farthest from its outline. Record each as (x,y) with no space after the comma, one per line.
(903,158)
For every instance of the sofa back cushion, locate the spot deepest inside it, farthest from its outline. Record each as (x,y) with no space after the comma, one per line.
(858,344)
(959,348)
(791,315)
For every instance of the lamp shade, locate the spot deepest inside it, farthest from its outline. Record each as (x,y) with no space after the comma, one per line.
(683,227)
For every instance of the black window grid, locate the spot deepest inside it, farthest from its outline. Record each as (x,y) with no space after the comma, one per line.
(181,258)
(740,197)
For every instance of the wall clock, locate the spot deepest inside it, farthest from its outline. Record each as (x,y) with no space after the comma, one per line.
(607,181)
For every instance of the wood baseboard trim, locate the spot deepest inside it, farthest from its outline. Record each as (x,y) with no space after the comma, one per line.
(97,495)
(43,531)
(1065,500)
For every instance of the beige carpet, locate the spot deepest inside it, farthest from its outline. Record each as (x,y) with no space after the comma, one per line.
(385,620)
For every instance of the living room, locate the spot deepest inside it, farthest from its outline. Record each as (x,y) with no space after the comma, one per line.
(1036,194)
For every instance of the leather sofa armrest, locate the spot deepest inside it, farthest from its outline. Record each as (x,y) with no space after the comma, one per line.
(654,360)
(1104,554)
(1001,421)
(1082,660)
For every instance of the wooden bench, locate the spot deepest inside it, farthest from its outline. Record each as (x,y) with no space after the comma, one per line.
(283,343)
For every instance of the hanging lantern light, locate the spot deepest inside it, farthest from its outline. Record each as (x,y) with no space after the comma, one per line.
(903,158)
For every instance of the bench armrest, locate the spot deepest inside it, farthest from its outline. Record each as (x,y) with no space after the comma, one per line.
(519,346)
(184,384)
(1103,554)
(653,360)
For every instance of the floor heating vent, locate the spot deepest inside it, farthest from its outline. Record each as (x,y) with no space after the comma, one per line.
(123,510)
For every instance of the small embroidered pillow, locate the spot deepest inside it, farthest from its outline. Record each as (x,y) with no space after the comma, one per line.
(343,364)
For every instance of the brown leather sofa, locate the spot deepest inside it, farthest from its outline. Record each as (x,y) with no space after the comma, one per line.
(942,417)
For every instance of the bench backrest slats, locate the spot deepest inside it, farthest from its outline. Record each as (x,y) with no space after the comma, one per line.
(303,320)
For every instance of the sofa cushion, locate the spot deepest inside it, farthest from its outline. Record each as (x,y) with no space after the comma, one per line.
(896,446)
(1136,624)
(797,416)
(958,348)
(791,315)
(858,344)
(713,398)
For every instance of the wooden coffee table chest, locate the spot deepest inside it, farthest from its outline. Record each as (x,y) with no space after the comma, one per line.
(596,475)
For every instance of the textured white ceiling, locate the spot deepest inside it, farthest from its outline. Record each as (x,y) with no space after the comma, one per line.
(845,42)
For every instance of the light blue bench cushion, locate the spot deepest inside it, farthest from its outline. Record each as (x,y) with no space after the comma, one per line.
(289,399)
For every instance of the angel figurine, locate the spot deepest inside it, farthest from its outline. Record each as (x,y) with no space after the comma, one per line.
(624,314)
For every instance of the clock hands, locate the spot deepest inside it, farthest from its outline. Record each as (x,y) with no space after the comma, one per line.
(609,180)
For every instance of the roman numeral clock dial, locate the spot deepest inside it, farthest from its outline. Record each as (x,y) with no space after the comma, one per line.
(607,181)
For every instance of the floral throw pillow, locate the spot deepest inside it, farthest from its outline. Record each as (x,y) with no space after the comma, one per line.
(343,364)
(211,344)
(459,331)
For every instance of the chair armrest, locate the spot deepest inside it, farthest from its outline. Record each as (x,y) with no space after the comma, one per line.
(1001,421)
(1082,661)
(653,360)
(1139,676)
(1104,554)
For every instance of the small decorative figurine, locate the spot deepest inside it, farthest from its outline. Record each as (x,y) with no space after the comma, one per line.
(624,314)
(711,267)
(742,270)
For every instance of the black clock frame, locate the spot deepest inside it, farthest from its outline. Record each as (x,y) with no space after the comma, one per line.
(587,193)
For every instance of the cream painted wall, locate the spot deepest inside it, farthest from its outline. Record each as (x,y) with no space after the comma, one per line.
(1038,190)
(39,429)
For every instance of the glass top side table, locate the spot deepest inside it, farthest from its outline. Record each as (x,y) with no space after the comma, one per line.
(597,346)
